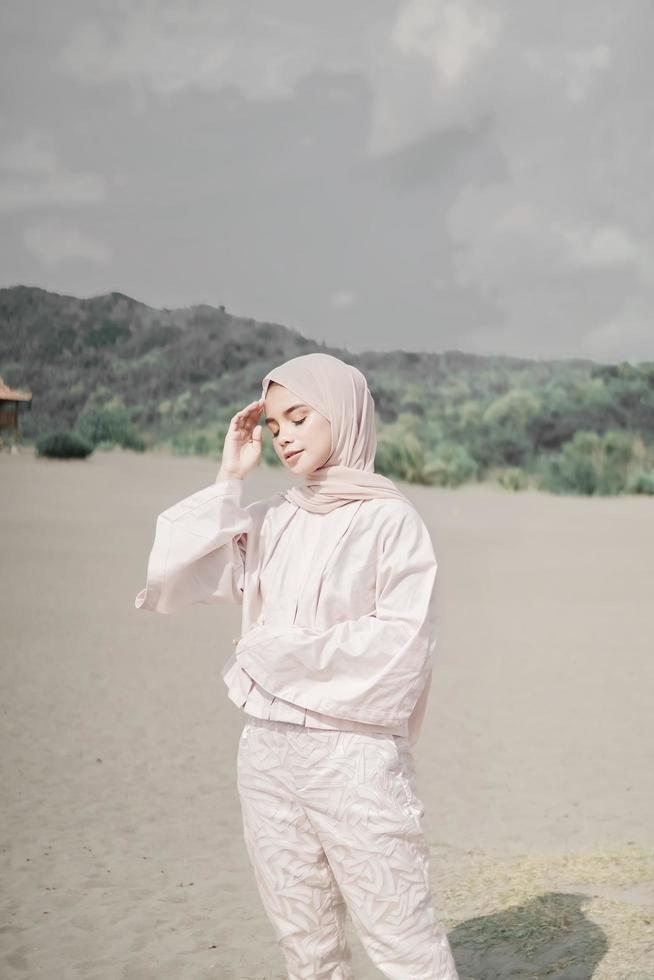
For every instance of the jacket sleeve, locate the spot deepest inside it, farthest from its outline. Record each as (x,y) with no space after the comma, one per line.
(371,669)
(198,555)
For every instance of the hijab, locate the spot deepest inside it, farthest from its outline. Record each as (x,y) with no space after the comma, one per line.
(340,393)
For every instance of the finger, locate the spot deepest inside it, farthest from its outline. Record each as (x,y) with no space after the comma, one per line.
(251,409)
(246,419)
(252,414)
(244,411)
(241,416)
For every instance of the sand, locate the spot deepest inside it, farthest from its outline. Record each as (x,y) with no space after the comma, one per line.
(122,853)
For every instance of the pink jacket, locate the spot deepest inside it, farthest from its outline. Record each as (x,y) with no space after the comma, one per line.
(338,612)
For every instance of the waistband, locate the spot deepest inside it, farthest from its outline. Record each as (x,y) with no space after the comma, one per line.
(291,727)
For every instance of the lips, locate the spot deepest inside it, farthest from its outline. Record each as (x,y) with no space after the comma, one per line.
(292,455)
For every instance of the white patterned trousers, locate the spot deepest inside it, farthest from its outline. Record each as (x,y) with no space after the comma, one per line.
(331,823)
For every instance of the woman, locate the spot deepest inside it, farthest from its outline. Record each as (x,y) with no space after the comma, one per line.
(336,578)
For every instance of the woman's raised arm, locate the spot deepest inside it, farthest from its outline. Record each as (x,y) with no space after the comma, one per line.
(199,549)
(198,555)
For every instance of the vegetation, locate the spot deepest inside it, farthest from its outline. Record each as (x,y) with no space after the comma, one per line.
(109,424)
(63,445)
(120,373)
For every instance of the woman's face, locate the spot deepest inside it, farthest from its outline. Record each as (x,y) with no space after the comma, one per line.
(297,427)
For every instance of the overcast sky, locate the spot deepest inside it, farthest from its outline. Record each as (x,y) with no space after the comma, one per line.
(427,174)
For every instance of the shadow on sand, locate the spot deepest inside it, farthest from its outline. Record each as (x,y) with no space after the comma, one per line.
(549,937)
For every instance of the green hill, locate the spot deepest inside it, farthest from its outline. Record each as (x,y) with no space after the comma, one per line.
(122,372)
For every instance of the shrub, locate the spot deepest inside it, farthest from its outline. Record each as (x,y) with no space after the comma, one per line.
(402,452)
(511,478)
(198,442)
(63,445)
(401,455)
(109,424)
(593,464)
(450,465)
(641,481)
(133,440)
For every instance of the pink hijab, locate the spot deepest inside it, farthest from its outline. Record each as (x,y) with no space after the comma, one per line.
(340,393)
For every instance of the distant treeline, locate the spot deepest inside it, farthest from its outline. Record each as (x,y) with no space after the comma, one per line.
(112,371)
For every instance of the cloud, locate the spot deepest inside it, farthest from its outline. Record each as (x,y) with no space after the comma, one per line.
(490,161)
(603,246)
(54,242)
(577,71)
(28,156)
(450,35)
(561,282)
(31,176)
(561,242)
(164,47)
(342,299)
(584,68)
(626,336)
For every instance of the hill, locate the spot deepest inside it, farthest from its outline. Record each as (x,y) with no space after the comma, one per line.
(177,376)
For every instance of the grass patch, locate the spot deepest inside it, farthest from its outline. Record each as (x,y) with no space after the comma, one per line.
(573,916)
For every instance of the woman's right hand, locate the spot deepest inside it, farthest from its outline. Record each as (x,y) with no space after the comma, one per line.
(242,449)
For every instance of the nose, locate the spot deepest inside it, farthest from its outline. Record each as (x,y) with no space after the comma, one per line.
(284,439)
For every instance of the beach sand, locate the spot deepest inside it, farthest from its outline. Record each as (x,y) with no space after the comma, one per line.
(122,851)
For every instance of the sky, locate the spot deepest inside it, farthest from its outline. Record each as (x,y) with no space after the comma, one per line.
(434,175)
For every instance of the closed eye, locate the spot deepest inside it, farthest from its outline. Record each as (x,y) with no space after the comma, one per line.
(275,434)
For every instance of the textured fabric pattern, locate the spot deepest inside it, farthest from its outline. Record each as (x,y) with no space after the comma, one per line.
(332,822)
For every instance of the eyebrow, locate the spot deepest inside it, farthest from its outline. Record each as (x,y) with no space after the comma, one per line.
(288,411)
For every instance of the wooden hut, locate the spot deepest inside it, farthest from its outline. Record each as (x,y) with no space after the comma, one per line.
(10,401)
